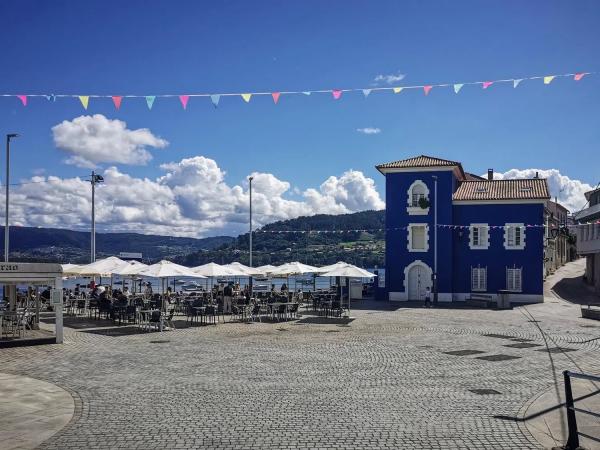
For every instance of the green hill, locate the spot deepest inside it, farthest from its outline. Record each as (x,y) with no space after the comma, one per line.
(316,240)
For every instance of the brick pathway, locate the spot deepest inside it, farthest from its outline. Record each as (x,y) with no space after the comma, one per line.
(388,379)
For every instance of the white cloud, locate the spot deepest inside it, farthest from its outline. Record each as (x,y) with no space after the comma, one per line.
(369,130)
(192,198)
(390,78)
(91,140)
(568,191)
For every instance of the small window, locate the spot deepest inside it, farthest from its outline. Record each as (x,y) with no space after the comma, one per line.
(479,236)
(418,199)
(526,189)
(514,279)
(418,239)
(514,236)
(480,190)
(479,279)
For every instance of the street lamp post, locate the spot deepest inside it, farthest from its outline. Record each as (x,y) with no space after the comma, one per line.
(250,231)
(6,225)
(95,179)
(435,241)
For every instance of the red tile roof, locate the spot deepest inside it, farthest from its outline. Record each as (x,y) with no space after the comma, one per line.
(418,161)
(529,189)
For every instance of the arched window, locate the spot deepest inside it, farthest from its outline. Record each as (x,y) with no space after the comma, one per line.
(417,192)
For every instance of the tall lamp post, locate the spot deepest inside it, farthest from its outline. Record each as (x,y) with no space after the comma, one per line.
(95,179)
(250,231)
(435,241)
(6,231)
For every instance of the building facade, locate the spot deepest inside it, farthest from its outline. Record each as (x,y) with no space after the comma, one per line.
(557,243)
(475,236)
(588,237)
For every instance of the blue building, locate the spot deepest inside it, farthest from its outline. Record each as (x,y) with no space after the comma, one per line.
(489,235)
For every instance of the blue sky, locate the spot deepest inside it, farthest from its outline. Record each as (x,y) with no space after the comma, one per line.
(163,47)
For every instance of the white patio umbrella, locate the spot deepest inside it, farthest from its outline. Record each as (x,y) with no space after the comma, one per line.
(217,270)
(214,270)
(349,271)
(331,267)
(244,270)
(293,268)
(166,269)
(266,269)
(131,269)
(102,267)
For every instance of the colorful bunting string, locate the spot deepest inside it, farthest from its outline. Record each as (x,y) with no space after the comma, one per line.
(276,95)
(443,226)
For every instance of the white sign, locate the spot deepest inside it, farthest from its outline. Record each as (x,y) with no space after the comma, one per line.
(56,296)
(130,255)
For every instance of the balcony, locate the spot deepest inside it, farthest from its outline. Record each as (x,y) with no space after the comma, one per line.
(588,238)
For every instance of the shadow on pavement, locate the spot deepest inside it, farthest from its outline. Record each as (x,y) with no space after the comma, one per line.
(575,290)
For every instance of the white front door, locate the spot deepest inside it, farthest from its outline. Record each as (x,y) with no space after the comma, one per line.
(418,280)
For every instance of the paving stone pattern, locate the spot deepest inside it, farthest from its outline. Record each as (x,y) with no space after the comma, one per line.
(384,381)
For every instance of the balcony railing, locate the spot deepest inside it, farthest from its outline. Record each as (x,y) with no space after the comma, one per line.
(588,238)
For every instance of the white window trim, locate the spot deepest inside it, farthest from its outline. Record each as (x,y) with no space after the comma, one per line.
(508,288)
(514,247)
(409,234)
(417,210)
(480,288)
(483,245)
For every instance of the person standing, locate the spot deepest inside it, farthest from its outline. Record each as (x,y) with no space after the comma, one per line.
(427,297)
(227,298)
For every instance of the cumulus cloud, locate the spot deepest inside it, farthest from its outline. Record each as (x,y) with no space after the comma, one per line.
(90,140)
(568,191)
(191,198)
(389,78)
(369,130)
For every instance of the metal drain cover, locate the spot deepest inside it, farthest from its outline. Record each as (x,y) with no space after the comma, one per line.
(332,331)
(522,345)
(484,391)
(498,357)
(282,329)
(463,352)
(159,342)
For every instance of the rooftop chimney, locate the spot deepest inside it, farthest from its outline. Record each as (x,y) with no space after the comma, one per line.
(490,174)
(537,175)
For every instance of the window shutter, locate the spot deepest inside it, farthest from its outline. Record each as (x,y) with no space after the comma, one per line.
(483,278)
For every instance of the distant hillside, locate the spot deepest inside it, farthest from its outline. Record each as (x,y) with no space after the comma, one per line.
(311,247)
(58,245)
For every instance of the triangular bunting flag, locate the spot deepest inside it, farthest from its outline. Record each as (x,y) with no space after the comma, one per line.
(117,101)
(548,79)
(516,82)
(306,92)
(487,84)
(397,90)
(246,97)
(426,89)
(275,96)
(457,88)
(150,100)
(23,99)
(578,76)
(184,100)
(215,99)
(366,92)
(85,100)
(336,93)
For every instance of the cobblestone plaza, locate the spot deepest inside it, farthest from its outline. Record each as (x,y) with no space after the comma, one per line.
(399,378)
